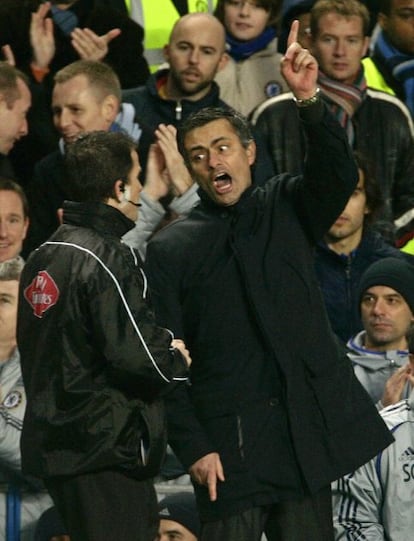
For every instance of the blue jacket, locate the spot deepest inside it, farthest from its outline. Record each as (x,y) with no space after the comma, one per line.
(339,275)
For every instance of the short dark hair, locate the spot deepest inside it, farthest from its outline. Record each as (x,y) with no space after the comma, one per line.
(273,7)
(9,185)
(204,116)
(9,76)
(385,7)
(373,193)
(344,8)
(94,162)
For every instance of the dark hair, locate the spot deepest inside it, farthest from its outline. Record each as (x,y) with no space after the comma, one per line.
(9,185)
(9,76)
(94,162)
(344,8)
(385,7)
(204,116)
(273,7)
(373,193)
(292,13)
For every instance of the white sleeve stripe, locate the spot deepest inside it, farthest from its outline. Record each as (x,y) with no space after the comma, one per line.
(134,255)
(124,301)
(144,293)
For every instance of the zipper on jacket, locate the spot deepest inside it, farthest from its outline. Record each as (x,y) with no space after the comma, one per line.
(349,301)
(178,110)
(240,437)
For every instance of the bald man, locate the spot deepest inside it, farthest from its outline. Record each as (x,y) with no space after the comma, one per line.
(195,53)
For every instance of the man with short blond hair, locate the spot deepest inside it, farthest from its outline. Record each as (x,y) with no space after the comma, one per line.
(378,125)
(86,97)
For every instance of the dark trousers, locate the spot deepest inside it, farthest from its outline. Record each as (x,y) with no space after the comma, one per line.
(106,506)
(307,519)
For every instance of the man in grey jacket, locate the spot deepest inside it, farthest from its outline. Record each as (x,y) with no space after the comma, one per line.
(375,502)
(379,352)
(30,500)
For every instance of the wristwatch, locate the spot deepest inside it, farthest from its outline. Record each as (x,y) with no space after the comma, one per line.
(308,101)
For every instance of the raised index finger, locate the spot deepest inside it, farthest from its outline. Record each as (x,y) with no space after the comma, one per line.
(293,34)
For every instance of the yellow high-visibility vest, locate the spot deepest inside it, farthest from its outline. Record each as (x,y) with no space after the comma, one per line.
(157,17)
(374,77)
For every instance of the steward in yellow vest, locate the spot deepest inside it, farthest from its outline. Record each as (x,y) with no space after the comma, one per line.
(158,17)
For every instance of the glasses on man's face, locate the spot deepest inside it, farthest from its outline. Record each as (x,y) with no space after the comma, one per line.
(239,4)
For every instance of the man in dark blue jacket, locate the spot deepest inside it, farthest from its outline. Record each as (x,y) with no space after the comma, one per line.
(348,249)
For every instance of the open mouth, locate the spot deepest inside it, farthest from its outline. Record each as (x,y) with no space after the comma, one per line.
(222,183)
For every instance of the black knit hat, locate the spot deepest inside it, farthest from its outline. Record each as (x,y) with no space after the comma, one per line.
(390,272)
(181,508)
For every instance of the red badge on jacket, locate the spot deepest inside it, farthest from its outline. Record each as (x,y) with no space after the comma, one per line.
(42,293)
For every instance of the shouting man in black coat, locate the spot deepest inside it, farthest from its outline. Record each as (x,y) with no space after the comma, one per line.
(274,412)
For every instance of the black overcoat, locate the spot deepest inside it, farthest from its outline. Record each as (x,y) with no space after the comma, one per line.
(272,391)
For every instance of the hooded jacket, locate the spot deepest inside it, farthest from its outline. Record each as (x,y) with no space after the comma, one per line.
(374,368)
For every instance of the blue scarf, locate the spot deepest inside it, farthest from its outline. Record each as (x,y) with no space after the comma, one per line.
(401,66)
(66,20)
(239,50)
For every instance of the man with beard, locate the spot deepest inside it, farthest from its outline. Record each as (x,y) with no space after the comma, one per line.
(379,353)
(195,53)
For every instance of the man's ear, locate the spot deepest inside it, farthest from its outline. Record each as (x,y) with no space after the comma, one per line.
(223,61)
(251,152)
(366,45)
(26,227)
(119,189)
(110,108)
(166,52)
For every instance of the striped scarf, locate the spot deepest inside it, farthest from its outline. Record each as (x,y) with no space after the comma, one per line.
(343,100)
